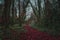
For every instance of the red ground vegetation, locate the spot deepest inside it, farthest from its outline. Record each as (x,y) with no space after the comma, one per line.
(32,34)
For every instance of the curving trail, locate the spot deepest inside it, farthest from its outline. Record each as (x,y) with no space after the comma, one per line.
(31,34)
(34,34)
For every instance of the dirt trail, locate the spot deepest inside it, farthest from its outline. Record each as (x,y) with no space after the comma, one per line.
(31,34)
(34,34)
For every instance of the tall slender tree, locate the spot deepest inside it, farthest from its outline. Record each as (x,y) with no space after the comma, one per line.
(22,10)
(6,17)
(12,3)
(37,11)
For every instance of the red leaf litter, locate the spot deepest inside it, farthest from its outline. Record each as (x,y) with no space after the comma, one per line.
(33,34)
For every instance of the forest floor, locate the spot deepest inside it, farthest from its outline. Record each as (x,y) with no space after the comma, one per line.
(30,34)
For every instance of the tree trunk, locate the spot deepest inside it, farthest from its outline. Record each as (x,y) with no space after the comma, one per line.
(5,17)
(12,12)
(19,5)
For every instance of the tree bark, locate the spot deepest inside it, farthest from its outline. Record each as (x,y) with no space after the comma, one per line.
(5,17)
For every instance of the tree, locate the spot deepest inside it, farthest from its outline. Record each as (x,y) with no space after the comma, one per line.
(51,16)
(22,11)
(48,13)
(37,12)
(13,18)
(6,16)
(52,19)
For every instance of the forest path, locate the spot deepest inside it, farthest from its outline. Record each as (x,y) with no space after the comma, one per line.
(34,34)
(30,34)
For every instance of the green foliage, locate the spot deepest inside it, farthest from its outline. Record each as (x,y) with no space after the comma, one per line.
(0,39)
(17,28)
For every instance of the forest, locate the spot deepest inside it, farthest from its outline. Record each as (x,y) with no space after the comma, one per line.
(20,19)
